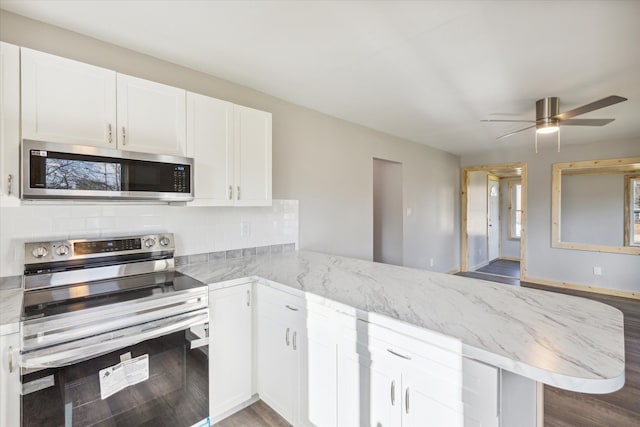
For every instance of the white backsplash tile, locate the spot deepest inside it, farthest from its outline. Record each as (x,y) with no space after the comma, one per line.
(197,229)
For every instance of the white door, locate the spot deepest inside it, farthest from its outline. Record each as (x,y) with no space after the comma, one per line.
(230,364)
(67,101)
(151,117)
(252,157)
(210,143)
(9,124)
(277,365)
(493,217)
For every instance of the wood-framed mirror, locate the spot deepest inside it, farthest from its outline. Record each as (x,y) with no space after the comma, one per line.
(596,205)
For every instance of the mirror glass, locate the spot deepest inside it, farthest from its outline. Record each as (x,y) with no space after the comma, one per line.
(596,205)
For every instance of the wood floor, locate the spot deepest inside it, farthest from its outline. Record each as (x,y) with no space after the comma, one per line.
(502,267)
(620,409)
(561,408)
(257,415)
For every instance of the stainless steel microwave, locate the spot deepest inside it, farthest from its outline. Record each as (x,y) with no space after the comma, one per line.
(65,171)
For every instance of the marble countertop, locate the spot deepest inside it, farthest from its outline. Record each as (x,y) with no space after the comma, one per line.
(565,341)
(10,308)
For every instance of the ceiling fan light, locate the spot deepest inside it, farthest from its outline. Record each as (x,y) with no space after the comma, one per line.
(547,129)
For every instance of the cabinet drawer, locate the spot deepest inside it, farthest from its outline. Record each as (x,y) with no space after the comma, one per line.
(378,338)
(281,305)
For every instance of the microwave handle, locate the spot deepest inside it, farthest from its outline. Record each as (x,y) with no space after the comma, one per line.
(81,352)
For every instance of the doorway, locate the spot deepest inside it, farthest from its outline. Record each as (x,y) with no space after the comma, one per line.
(493,237)
(387,212)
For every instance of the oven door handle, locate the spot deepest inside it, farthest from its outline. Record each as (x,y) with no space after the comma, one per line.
(81,350)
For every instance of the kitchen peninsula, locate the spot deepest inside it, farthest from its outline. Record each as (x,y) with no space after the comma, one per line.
(563,341)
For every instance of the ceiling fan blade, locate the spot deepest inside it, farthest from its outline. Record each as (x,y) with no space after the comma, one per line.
(585,122)
(515,131)
(509,121)
(596,105)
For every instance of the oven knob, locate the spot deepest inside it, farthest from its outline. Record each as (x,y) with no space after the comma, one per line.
(62,250)
(149,243)
(164,241)
(39,252)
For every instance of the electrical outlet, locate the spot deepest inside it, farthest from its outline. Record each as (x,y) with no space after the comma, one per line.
(245,229)
(597,271)
(431,262)
(409,211)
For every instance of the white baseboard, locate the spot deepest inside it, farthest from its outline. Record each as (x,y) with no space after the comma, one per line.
(510,258)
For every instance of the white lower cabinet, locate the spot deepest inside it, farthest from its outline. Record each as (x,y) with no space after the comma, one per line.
(230,364)
(393,380)
(9,380)
(316,366)
(281,327)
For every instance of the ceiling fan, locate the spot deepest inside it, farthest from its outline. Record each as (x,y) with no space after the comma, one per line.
(549,119)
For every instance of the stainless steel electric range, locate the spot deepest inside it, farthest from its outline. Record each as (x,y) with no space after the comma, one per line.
(112,335)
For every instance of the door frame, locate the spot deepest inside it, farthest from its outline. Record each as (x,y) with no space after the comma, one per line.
(503,171)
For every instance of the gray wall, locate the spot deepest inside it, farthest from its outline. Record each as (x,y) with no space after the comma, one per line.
(593,209)
(619,271)
(509,248)
(324,162)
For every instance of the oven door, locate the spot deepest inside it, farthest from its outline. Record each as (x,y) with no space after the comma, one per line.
(162,381)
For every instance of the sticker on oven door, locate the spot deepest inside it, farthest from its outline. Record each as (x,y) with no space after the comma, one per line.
(124,374)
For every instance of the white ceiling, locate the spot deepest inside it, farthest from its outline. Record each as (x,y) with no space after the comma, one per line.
(427,71)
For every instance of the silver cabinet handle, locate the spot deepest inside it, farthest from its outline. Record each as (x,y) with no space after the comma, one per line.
(9,184)
(231,192)
(238,195)
(406,400)
(124,136)
(110,134)
(294,340)
(248,298)
(286,337)
(393,393)
(10,359)
(398,354)
(291,308)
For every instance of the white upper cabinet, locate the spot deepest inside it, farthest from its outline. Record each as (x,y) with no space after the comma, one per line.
(67,101)
(231,145)
(9,124)
(252,156)
(151,117)
(71,102)
(210,143)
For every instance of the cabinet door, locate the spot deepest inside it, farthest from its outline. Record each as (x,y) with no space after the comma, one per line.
(424,401)
(67,101)
(277,365)
(210,143)
(252,156)
(318,374)
(481,394)
(383,395)
(9,124)
(151,117)
(231,349)
(9,381)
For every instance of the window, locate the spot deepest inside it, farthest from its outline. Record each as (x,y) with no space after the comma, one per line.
(632,210)
(515,209)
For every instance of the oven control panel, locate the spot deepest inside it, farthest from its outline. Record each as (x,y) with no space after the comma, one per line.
(77,249)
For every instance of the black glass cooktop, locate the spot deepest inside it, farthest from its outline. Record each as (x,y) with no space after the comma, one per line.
(80,296)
